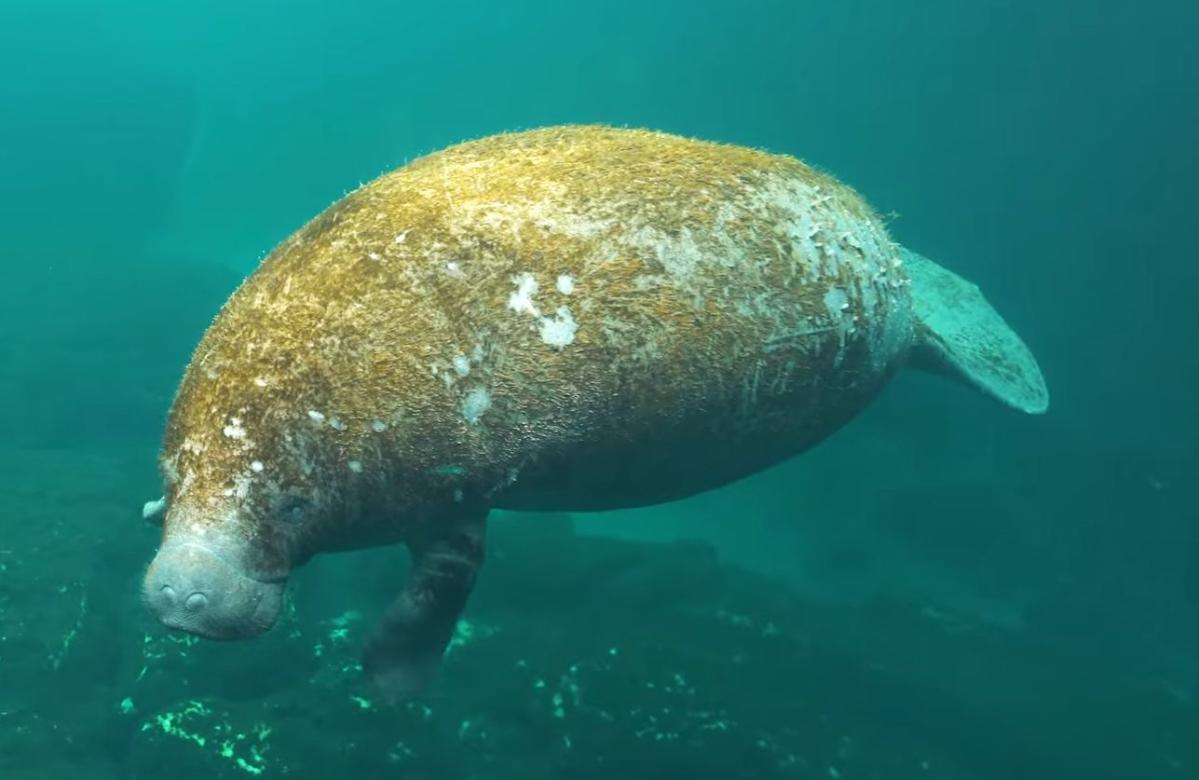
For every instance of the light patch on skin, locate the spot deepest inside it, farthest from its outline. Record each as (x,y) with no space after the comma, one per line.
(837,302)
(461,365)
(833,242)
(170,468)
(256,466)
(260,381)
(299,445)
(241,487)
(679,255)
(559,331)
(234,429)
(521,299)
(378,426)
(476,404)
(316,417)
(185,483)
(355,466)
(453,268)
(336,424)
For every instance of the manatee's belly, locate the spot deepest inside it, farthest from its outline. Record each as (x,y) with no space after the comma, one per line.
(632,474)
(675,456)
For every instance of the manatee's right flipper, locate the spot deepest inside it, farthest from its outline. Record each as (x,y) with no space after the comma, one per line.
(403,655)
(958,334)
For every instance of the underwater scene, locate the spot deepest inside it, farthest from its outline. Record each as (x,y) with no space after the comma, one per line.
(537,390)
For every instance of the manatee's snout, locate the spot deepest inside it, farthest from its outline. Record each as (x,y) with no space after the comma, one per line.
(192,587)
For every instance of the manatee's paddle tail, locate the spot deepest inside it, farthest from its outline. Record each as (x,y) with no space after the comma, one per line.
(959,335)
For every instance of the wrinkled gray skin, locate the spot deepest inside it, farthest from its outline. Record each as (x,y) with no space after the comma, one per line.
(196,585)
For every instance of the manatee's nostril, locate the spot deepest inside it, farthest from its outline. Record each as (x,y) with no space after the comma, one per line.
(168,593)
(196,602)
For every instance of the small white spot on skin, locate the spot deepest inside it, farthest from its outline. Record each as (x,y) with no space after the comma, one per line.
(401,237)
(316,416)
(375,256)
(378,426)
(566,285)
(259,381)
(559,331)
(521,299)
(256,466)
(234,430)
(453,269)
(355,466)
(336,424)
(462,365)
(476,403)
(458,495)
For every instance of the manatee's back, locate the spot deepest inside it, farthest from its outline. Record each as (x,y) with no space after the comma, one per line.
(569,309)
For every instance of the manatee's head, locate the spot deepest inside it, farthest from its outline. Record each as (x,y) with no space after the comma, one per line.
(247,499)
(219,573)
(265,450)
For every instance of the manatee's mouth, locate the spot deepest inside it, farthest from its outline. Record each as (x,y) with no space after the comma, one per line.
(193,587)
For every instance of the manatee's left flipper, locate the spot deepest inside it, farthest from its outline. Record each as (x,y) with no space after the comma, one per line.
(403,655)
(153,511)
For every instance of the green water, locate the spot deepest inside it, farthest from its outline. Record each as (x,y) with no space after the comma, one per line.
(942,590)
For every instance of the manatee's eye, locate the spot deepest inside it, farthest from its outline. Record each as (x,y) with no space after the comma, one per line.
(293,509)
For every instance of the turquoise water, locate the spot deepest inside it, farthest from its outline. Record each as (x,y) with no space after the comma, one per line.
(944,589)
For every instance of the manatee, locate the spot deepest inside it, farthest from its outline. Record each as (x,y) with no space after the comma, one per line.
(564,319)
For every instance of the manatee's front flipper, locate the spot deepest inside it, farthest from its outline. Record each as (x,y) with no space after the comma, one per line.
(958,334)
(403,654)
(153,511)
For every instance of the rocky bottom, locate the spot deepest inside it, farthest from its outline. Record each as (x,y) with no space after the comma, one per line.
(581,657)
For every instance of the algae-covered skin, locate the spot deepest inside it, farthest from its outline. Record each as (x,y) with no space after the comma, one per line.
(569,318)
(577,317)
